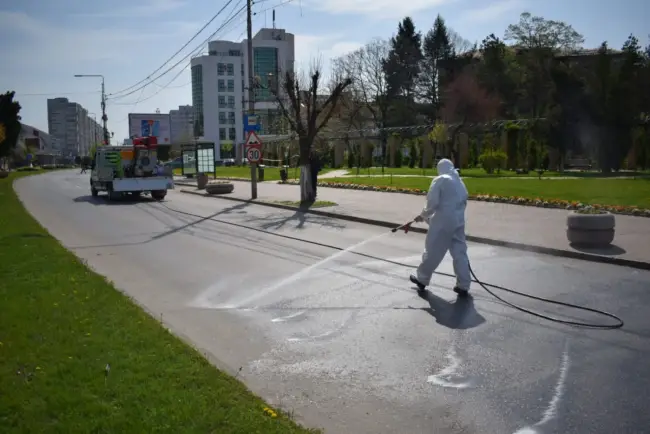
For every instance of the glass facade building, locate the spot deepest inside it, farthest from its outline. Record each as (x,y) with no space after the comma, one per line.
(265,66)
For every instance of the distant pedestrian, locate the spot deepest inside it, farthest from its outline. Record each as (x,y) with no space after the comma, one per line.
(83,168)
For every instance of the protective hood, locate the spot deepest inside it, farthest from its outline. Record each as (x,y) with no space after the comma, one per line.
(445,167)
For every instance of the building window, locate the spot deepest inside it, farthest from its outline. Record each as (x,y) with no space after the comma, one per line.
(234,53)
(231,69)
(232,134)
(222,134)
(222,117)
(231,118)
(242,69)
(265,66)
(222,101)
(231,85)
(221,68)
(197,99)
(221,85)
(231,101)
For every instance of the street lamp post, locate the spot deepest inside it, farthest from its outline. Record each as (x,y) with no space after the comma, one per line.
(104,117)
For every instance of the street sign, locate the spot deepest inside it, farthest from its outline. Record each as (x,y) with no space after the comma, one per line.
(254,154)
(253,140)
(251,123)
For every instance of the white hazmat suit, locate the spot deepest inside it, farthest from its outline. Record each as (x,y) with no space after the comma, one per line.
(444,211)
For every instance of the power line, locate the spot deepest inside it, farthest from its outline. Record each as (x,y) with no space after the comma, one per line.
(214,17)
(185,57)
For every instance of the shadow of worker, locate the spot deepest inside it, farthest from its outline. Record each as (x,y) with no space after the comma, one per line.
(459,314)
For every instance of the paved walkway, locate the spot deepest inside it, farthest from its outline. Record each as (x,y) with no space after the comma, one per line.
(533,226)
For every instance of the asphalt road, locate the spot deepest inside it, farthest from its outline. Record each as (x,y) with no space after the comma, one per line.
(343,340)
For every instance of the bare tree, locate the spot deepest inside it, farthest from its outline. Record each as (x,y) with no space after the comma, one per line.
(459,44)
(370,88)
(307,113)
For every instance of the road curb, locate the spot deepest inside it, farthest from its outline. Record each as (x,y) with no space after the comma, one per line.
(482,240)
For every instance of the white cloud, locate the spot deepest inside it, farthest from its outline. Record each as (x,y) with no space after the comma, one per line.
(491,12)
(381,9)
(321,47)
(139,9)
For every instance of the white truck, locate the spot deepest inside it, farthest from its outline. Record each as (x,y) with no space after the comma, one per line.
(134,170)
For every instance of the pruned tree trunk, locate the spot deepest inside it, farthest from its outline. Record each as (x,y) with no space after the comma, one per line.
(307,193)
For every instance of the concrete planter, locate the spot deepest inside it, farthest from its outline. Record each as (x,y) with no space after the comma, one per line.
(3,174)
(201,181)
(219,188)
(590,229)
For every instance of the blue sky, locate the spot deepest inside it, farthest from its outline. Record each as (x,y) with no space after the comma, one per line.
(46,42)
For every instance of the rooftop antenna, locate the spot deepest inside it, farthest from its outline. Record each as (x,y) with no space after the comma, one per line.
(273,19)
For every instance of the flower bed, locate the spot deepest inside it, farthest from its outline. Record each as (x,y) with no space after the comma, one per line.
(542,203)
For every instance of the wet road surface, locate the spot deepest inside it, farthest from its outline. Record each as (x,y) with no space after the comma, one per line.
(344,340)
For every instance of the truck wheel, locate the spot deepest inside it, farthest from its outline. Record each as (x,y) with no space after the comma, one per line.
(159,194)
(94,192)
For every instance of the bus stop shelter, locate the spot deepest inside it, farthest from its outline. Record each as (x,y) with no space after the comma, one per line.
(198,158)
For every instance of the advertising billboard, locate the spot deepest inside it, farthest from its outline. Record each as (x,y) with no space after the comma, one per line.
(150,124)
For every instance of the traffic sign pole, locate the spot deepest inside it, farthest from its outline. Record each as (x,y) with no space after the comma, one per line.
(253,156)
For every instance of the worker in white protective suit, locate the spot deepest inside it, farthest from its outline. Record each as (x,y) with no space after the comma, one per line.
(444,211)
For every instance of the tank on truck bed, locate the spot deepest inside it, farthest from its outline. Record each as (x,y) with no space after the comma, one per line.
(121,170)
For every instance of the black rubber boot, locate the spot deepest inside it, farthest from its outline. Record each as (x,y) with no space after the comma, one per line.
(416,282)
(461,292)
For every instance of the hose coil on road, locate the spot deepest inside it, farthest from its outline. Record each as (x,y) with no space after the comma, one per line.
(486,286)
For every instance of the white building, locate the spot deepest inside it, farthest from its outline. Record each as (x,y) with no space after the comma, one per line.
(71,128)
(181,124)
(220,87)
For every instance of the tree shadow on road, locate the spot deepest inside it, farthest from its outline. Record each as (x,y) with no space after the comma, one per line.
(186,225)
(279,221)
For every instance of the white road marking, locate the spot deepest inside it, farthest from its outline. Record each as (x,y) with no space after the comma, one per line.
(552,409)
(288,317)
(445,377)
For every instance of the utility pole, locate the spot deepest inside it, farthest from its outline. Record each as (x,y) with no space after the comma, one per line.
(104,117)
(251,81)
(107,139)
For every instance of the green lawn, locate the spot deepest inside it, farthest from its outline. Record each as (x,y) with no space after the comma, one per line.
(61,324)
(299,204)
(480,173)
(630,192)
(271,173)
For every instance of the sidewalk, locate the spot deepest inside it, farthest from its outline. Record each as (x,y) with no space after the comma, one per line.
(502,223)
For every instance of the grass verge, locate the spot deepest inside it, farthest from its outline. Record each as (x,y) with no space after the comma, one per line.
(480,173)
(61,325)
(271,173)
(627,192)
(298,204)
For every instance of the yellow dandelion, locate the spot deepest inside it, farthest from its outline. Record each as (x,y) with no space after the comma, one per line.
(38,368)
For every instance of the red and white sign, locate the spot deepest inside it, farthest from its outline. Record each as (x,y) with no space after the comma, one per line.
(253,154)
(253,148)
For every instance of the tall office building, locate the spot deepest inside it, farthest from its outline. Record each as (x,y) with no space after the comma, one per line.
(71,127)
(220,86)
(181,123)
